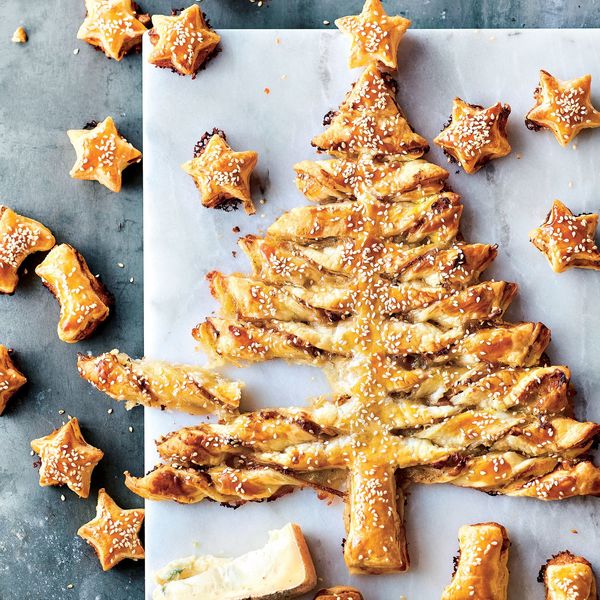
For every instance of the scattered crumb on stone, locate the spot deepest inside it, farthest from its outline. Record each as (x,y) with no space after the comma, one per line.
(130,429)
(570,184)
(267,91)
(120,265)
(61,412)
(76,51)
(278,40)
(131,280)
(326,22)
(62,497)
(574,531)
(110,411)
(518,156)
(574,146)
(19,36)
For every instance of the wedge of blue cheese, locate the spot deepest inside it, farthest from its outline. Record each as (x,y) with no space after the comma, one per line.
(283,568)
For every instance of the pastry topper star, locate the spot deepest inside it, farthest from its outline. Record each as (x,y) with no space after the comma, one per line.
(182,42)
(102,154)
(11,379)
(375,35)
(67,459)
(563,107)
(113,533)
(221,174)
(475,134)
(113,26)
(567,240)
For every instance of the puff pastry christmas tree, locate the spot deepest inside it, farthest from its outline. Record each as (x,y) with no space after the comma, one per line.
(374,284)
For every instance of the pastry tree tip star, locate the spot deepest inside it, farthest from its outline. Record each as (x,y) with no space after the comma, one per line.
(113,26)
(375,35)
(563,107)
(567,240)
(113,533)
(182,42)
(67,459)
(475,135)
(102,154)
(220,174)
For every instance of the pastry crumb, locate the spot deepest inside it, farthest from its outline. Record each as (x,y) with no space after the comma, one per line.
(267,91)
(574,531)
(76,51)
(20,36)
(326,22)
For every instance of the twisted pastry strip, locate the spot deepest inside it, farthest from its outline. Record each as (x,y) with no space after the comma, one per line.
(160,384)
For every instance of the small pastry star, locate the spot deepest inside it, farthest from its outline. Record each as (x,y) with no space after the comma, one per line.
(564,107)
(113,533)
(11,379)
(475,134)
(375,35)
(567,240)
(182,42)
(102,154)
(113,26)
(67,459)
(221,174)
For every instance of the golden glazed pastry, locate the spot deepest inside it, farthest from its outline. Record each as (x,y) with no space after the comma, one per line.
(339,592)
(369,123)
(19,237)
(160,384)
(182,42)
(375,285)
(84,301)
(569,577)
(220,174)
(567,240)
(102,154)
(563,107)
(481,572)
(113,533)
(11,379)
(113,26)
(475,135)
(375,36)
(67,459)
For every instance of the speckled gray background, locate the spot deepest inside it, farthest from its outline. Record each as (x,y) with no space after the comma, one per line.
(45,89)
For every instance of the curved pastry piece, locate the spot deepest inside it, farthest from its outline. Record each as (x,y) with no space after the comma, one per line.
(563,107)
(332,180)
(182,42)
(567,240)
(339,592)
(569,577)
(11,379)
(19,237)
(67,459)
(220,174)
(475,135)
(84,301)
(102,154)
(375,36)
(370,122)
(160,384)
(482,568)
(113,26)
(113,533)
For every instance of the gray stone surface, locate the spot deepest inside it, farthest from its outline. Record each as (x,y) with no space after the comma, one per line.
(46,89)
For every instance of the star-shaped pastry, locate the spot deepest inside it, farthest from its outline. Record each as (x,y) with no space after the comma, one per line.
(563,107)
(220,174)
(11,379)
(102,154)
(113,533)
(113,26)
(567,240)
(375,35)
(67,459)
(182,42)
(19,237)
(475,134)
